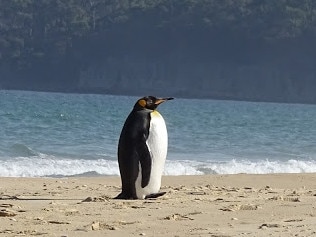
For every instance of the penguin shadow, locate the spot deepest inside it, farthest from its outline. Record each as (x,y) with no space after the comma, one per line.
(105,198)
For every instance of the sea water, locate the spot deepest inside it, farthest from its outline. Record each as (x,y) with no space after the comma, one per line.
(57,134)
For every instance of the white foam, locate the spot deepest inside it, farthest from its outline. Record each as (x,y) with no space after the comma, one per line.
(51,166)
(184,167)
(243,166)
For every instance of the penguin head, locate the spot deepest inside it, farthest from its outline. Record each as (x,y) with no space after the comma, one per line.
(150,102)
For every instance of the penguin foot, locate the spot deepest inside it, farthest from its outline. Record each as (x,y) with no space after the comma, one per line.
(155,195)
(124,196)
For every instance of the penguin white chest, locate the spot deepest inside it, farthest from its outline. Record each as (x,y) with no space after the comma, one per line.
(157,143)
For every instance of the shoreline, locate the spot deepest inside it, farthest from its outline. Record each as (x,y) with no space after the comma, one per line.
(197,205)
(167,177)
(58,168)
(94,174)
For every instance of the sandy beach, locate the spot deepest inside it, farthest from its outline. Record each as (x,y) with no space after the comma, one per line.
(209,205)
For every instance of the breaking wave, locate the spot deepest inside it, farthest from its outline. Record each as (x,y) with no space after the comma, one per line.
(47,166)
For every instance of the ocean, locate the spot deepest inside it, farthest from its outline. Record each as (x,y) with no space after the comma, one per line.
(59,135)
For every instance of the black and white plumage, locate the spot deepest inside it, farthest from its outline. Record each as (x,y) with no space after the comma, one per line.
(142,150)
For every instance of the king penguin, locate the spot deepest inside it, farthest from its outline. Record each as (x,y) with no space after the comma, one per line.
(142,150)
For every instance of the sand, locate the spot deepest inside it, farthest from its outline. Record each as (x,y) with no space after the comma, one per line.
(208,205)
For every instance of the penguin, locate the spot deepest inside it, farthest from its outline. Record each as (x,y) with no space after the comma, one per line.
(142,150)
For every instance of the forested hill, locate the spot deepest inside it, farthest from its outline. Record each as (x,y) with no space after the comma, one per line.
(233,49)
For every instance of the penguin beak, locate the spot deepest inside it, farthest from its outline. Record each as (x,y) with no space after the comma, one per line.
(161,100)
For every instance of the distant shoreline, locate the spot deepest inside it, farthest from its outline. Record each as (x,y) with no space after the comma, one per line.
(176,95)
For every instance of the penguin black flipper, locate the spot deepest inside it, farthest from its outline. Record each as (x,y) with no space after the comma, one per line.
(145,163)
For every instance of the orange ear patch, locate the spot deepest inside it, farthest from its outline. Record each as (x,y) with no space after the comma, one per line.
(142,103)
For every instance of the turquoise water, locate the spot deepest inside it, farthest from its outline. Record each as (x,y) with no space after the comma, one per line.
(52,134)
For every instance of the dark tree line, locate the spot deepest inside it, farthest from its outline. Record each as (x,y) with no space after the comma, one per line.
(51,41)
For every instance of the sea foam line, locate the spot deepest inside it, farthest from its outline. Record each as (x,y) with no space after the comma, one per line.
(40,167)
(51,166)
